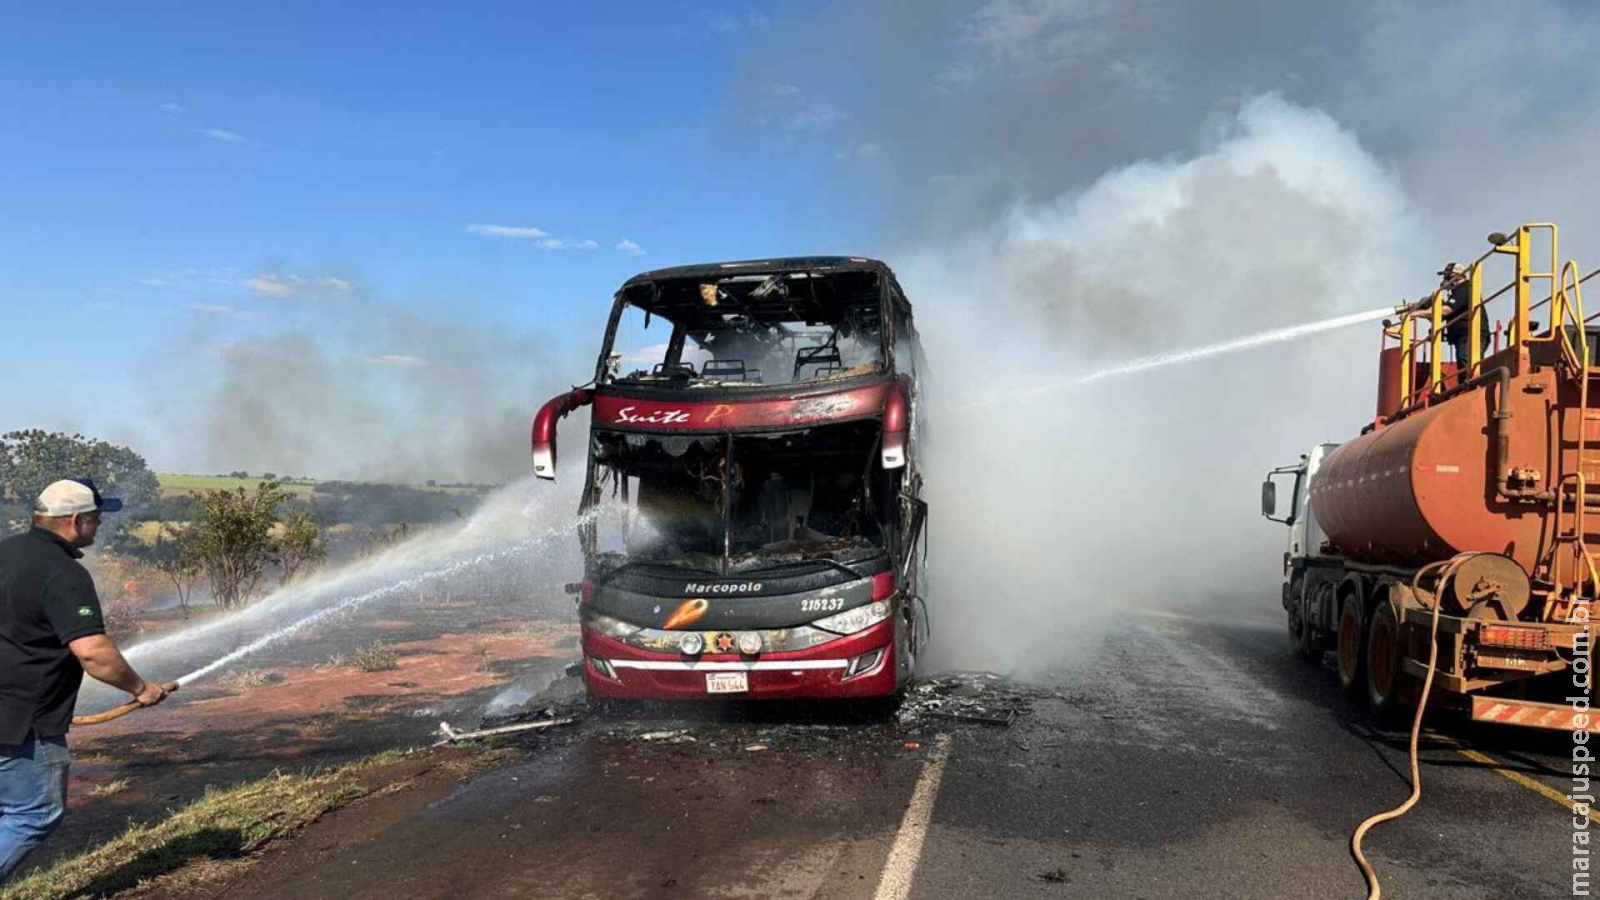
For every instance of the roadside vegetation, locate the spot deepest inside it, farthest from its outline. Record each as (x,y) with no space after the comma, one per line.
(221,825)
(375,657)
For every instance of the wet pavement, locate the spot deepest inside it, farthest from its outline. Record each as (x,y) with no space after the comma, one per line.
(1187,756)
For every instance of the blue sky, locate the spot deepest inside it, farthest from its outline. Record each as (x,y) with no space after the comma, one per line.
(179,177)
(242,236)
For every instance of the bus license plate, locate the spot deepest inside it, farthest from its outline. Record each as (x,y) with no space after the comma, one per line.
(727,682)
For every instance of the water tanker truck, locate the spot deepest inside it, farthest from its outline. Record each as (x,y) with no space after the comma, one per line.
(1469,489)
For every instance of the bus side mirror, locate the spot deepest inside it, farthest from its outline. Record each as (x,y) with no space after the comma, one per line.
(544,430)
(1269,498)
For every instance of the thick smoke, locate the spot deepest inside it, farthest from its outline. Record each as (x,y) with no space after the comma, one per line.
(1067,508)
(375,392)
(1066,184)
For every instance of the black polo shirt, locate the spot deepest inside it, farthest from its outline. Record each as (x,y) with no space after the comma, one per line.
(47,600)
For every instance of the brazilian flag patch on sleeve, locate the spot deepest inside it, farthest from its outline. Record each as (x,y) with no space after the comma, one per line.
(85,612)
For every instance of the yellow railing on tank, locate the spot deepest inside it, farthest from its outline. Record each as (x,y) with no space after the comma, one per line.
(1567,332)
(1432,313)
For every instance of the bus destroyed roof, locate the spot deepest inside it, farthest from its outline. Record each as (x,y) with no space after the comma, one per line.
(747,267)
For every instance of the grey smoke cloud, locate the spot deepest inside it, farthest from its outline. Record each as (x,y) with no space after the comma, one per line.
(374,391)
(1094,181)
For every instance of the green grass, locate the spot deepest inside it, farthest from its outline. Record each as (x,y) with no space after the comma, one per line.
(221,825)
(188,484)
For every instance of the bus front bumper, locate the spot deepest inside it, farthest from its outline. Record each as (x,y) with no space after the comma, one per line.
(839,669)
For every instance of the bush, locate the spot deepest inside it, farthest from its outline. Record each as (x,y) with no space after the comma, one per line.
(375,657)
(233,539)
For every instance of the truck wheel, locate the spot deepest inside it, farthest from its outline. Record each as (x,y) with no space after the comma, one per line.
(1352,645)
(1384,674)
(1301,637)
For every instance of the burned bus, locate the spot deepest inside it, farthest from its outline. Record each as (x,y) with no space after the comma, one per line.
(751,511)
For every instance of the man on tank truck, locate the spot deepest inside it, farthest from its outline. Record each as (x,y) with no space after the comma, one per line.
(51,632)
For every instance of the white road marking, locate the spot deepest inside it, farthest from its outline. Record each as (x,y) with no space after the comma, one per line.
(895,883)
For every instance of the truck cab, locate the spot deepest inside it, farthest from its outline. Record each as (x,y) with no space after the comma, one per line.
(1286,499)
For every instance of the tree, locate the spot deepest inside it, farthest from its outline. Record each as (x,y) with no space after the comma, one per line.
(176,555)
(380,539)
(300,547)
(32,459)
(234,540)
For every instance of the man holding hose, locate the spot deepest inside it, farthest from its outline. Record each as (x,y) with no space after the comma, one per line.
(51,632)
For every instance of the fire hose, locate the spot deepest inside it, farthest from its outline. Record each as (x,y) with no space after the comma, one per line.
(1374,890)
(117,712)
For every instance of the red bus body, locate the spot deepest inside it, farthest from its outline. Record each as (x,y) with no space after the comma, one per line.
(750,522)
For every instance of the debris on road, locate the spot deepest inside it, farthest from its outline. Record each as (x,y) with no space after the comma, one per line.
(756,748)
(981,698)
(681,736)
(452,736)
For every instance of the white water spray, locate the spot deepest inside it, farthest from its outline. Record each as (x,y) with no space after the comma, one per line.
(350,604)
(497,535)
(1221,348)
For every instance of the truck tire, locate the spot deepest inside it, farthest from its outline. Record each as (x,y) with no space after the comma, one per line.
(1301,635)
(1384,673)
(1352,646)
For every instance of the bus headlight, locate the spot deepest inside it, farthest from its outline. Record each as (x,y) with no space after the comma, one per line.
(853,620)
(692,643)
(611,628)
(750,643)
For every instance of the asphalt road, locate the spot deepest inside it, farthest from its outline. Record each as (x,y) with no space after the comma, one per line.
(1186,756)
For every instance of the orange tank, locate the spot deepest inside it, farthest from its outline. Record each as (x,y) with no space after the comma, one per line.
(1427,485)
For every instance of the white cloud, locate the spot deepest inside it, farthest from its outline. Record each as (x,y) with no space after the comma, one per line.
(292,285)
(215,309)
(865,151)
(276,352)
(394,360)
(269,284)
(630,248)
(1042,35)
(507,231)
(153,282)
(560,244)
(174,108)
(724,24)
(812,115)
(222,134)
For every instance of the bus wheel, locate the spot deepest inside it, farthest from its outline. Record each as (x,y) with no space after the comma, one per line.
(1351,645)
(1384,674)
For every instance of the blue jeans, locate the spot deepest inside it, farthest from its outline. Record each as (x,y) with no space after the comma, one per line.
(33,796)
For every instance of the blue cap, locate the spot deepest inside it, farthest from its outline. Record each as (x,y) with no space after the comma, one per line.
(103,504)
